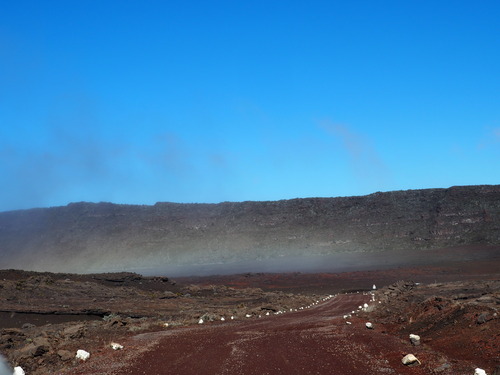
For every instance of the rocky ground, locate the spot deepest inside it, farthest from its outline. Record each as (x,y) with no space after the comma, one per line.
(45,318)
(459,319)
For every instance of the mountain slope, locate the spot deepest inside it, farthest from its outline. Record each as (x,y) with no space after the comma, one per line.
(90,237)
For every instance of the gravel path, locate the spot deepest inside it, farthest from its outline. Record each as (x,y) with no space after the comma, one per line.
(311,341)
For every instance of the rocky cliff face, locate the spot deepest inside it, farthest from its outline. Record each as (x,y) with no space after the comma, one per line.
(88,237)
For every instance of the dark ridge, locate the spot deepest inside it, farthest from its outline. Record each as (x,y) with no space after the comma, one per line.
(100,237)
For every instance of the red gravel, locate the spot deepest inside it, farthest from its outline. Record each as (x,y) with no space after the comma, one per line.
(310,341)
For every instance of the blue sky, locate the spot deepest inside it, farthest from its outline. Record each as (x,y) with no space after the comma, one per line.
(210,101)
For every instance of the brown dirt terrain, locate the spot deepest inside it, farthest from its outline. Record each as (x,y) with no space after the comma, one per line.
(445,265)
(461,319)
(43,313)
(311,341)
(454,309)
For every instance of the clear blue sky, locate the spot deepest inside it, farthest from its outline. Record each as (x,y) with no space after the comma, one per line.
(210,101)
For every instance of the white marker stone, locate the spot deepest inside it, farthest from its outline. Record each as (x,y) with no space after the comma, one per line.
(82,354)
(116,346)
(415,339)
(410,359)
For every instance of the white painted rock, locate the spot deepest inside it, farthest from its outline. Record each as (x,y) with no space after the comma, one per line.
(410,359)
(479,371)
(18,371)
(369,325)
(415,339)
(82,354)
(200,321)
(116,346)
(374,287)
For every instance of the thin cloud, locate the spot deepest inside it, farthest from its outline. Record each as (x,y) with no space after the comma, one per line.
(218,160)
(490,140)
(170,155)
(77,163)
(364,159)
(65,163)
(496,134)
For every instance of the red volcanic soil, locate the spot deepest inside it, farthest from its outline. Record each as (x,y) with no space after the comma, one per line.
(318,340)
(443,265)
(312,341)
(452,305)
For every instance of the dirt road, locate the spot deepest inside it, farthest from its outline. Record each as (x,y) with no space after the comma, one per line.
(316,340)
